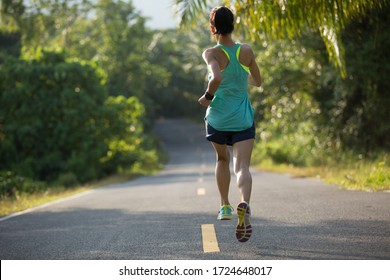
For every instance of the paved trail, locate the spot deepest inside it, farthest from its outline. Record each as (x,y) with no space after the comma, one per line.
(160,217)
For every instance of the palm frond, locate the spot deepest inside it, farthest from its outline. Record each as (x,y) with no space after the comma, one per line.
(289,18)
(189,11)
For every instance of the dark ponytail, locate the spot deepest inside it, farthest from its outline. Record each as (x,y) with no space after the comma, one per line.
(222,19)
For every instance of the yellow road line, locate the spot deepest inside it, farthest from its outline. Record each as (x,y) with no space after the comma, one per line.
(209,239)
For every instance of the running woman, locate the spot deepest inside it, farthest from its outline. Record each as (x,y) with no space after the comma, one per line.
(229,116)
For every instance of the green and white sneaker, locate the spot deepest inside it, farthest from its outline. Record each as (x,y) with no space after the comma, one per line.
(225,213)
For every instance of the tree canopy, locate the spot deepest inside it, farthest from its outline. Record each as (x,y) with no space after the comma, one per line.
(278,19)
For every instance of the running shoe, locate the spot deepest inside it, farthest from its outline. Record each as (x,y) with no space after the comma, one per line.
(225,213)
(244,227)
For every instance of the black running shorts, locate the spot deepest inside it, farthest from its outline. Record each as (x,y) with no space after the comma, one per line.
(229,137)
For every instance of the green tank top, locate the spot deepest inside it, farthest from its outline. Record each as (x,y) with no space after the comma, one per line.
(230,110)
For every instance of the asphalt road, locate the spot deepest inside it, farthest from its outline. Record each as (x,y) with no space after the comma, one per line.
(160,217)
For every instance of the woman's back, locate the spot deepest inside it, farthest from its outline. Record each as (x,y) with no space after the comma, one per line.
(230,109)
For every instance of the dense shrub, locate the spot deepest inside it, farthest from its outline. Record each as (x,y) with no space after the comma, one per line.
(58,125)
(11,185)
(52,118)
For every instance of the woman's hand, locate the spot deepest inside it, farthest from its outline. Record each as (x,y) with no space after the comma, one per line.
(203,101)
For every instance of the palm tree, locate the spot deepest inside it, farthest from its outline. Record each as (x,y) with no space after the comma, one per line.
(277,19)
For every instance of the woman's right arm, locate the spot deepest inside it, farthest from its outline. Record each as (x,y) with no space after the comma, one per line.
(215,81)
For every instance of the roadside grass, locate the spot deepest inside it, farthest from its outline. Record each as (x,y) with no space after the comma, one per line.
(25,201)
(352,175)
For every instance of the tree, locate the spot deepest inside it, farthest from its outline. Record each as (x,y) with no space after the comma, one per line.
(52,112)
(57,121)
(271,19)
(180,55)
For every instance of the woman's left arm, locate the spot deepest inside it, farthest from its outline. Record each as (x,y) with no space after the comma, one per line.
(249,60)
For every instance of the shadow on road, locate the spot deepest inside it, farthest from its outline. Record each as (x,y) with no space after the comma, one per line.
(115,234)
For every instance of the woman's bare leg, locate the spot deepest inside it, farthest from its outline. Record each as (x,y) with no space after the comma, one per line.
(242,152)
(222,171)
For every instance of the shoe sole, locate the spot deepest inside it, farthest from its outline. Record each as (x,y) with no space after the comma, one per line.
(243,229)
(226,218)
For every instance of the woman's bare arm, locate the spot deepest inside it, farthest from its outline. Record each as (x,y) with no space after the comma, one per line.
(249,60)
(215,81)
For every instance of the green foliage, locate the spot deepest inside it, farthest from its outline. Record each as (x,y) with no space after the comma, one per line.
(308,114)
(11,185)
(67,180)
(51,118)
(71,116)
(11,12)
(10,45)
(355,171)
(360,104)
(59,126)
(287,113)
(111,33)
(181,55)
(188,10)
(379,176)
(289,19)
(126,130)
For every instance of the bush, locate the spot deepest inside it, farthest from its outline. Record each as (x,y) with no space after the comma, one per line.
(57,123)
(67,180)
(289,133)
(51,113)
(11,185)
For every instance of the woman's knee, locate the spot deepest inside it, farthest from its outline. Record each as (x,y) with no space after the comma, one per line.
(224,157)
